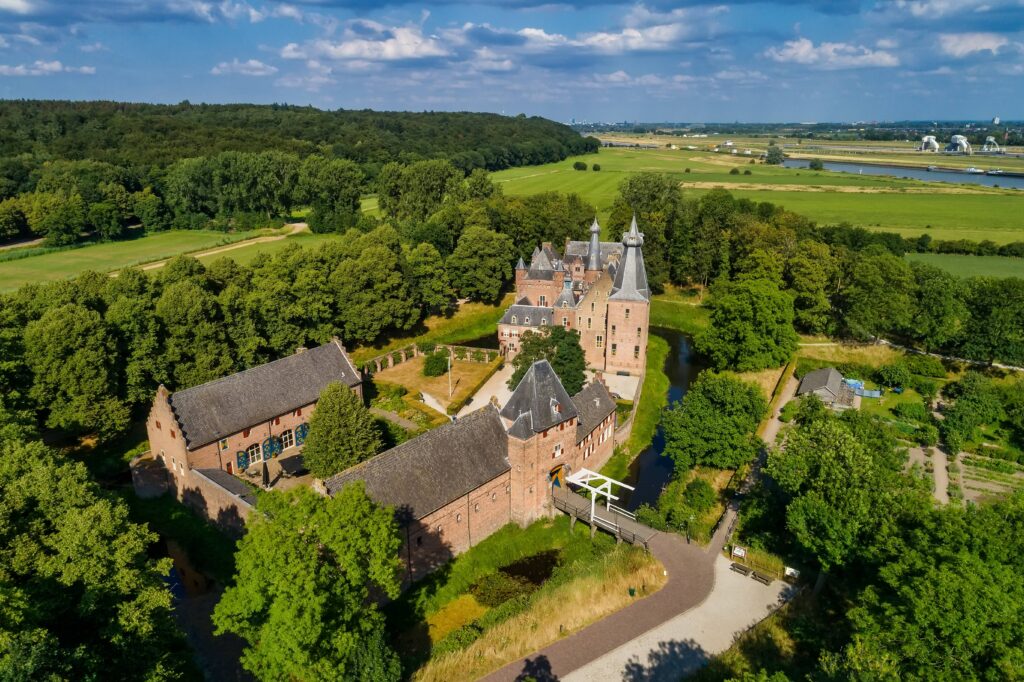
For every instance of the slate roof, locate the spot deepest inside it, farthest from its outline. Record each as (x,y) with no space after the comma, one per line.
(232,484)
(582,250)
(631,276)
(593,404)
(594,249)
(827,378)
(534,404)
(219,408)
(536,314)
(426,473)
(567,297)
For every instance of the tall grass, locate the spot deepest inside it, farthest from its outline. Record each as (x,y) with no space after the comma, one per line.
(554,613)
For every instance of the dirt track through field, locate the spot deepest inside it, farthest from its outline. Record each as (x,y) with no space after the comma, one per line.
(297,228)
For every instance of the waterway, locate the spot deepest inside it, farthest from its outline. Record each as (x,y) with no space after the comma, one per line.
(919,173)
(651,470)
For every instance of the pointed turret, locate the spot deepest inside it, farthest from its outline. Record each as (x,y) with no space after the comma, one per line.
(631,275)
(594,254)
(520,265)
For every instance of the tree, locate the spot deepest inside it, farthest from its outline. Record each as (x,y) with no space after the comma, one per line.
(373,295)
(480,186)
(332,187)
(416,191)
(342,432)
(150,210)
(72,359)
(559,346)
(751,327)
(894,375)
(880,297)
(657,203)
(83,599)
(13,223)
(834,488)
(196,349)
(429,279)
(106,219)
(816,165)
(810,272)
(699,495)
(579,165)
(310,570)
(774,156)
(595,166)
(940,310)
(481,264)
(993,330)
(714,423)
(435,364)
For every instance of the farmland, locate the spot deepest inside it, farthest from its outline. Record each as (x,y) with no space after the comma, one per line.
(972,266)
(908,207)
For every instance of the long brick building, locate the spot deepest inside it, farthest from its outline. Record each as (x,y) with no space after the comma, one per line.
(597,288)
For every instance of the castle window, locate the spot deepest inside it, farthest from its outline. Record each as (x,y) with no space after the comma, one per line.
(636,352)
(508,488)
(613,330)
(223,443)
(615,347)
(255,453)
(298,412)
(565,304)
(476,507)
(599,341)
(638,332)
(588,323)
(543,300)
(591,306)
(526,320)
(494,496)
(438,528)
(458,518)
(419,541)
(627,313)
(531,490)
(543,322)
(277,421)
(558,451)
(287,439)
(565,322)
(515,320)
(173,434)
(158,424)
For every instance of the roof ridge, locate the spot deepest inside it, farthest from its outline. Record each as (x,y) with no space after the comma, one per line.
(251,369)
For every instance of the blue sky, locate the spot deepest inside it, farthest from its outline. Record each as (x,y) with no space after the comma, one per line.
(789,60)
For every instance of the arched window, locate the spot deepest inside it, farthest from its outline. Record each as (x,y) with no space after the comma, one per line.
(543,322)
(526,320)
(254,453)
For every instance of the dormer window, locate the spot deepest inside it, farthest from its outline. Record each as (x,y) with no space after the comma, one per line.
(565,304)
(526,320)
(515,320)
(543,322)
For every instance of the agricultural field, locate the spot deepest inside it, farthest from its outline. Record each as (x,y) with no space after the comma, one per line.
(111,256)
(972,266)
(909,207)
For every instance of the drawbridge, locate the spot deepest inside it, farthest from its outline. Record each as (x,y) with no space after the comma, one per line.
(600,515)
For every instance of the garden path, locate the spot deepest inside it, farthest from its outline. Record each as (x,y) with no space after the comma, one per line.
(296,229)
(941,476)
(406,424)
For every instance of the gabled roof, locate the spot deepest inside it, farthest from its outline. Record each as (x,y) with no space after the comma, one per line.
(609,251)
(544,262)
(538,315)
(631,275)
(219,408)
(593,404)
(827,378)
(539,402)
(567,297)
(426,473)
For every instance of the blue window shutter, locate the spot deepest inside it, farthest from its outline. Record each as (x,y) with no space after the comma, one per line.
(300,433)
(241,459)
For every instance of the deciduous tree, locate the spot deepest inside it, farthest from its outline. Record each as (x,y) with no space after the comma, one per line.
(751,327)
(481,264)
(342,432)
(557,345)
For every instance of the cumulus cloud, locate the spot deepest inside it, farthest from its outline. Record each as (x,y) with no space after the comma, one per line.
(830,55)
(960,45)
(938,9)
(44,68)
(371,41)
(250,67)
(16,6)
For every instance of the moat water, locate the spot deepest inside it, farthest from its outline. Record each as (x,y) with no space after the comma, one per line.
(652,470)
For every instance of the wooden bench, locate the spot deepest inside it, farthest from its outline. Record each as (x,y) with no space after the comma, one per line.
(762,578)
(740,568)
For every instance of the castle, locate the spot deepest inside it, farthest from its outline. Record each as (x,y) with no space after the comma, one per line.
(453,486)
(596,288)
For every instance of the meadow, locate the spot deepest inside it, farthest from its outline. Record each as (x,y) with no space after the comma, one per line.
(908,207)
(972,266)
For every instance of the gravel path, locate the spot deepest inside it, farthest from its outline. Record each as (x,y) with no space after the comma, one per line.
(407,424)
(941,476)
(296,228)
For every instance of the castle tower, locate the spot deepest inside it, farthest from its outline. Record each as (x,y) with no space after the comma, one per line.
(594,254)
(628,309)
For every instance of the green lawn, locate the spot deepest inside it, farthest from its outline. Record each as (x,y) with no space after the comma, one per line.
(987,214)
(246,254)
(972,266)
(111,256)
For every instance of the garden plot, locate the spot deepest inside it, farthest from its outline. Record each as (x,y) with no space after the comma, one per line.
(985,479)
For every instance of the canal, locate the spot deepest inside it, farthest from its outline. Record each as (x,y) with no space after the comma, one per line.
(651,470)
(918,173)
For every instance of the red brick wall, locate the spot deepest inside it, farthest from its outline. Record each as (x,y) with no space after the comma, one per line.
(532,461)
(432,541)
(213,456)
(532,289)
(214,502)
(625,337)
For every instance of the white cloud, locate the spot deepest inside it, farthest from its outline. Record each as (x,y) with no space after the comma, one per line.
(938,9)
(287,12)
(486,59)
(962,44)
(16,6)
(41,68)
(735,75)
(250,67)
(830,55)
(659,37)
(886,43)
(370,41)
(94,47)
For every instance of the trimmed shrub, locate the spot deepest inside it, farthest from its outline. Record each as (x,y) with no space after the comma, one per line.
(580,166)
(699,495)
(747,171)
(595,167)
(927,435)
(426,346)
(893,375)
(687,170)
(435,364)
(734,171)
(479,356)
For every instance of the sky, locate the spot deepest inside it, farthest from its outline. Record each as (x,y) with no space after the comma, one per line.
(690,60)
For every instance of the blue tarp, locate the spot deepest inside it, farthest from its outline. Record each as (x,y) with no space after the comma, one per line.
(854,383)
(864,393)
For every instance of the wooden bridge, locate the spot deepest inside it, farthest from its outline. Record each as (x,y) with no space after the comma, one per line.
(618,522)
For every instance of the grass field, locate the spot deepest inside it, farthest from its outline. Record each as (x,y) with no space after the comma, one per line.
(465,377)
(972,266)
(909,207)
(245,254)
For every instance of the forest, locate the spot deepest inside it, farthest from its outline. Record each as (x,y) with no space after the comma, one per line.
(90,170)
(81,358)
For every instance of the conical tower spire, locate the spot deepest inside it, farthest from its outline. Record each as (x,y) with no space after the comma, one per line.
(631,276)
(594,255)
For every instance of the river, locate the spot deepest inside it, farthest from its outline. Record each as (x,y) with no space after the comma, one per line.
(651,470)
(918,173)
